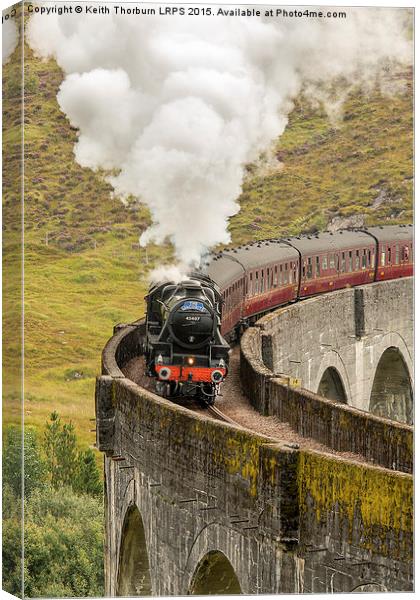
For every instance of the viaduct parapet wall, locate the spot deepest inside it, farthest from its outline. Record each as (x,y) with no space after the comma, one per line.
(183,490)
(348,330)
(281,360)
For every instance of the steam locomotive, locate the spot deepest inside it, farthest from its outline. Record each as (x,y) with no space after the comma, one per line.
(185,351)
(188,324)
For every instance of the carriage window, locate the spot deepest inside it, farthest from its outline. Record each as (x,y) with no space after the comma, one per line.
(364,260)
(303,271)
(397,255)
(350,262)
(369,258)
(275,276)
(372,262)
(357,261)
(389,255)
(262,282)
(324,263)
(332,261)
(343,262)
(309,268)
(317,267)
(383,256)
(286,274)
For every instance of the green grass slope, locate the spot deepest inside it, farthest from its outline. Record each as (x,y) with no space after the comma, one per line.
(84,270)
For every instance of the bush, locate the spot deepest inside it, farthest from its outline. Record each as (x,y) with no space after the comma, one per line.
(63,544)
(63,510)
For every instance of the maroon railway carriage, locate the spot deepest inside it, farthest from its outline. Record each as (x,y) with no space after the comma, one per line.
(253,279)
(395,251)
(256,277)
(331,261)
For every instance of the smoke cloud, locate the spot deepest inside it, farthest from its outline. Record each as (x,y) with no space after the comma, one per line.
(10,38)
(178,106)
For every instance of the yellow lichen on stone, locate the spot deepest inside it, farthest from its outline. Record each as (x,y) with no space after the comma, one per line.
(383,498)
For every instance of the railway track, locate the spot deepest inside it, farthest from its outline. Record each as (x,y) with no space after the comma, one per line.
(215,412)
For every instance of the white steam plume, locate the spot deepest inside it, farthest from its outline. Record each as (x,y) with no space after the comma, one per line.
(10,38)
(179,105)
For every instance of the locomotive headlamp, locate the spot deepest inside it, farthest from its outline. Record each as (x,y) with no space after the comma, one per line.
(222,363)
(165,373)
(190,360)
(217,376)
(159,360)
(191,339)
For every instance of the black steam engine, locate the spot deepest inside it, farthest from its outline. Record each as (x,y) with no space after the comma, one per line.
(185,351)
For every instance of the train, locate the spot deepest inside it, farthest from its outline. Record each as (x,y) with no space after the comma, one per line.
(190,325)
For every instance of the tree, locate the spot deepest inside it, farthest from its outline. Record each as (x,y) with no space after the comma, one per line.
(88,479)
(60,447)
(34,468)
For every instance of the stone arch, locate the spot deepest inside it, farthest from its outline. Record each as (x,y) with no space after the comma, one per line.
(214,575)
(369,587)
(331,386)
(214,537)
(332,366)
(134,578)
(391,393)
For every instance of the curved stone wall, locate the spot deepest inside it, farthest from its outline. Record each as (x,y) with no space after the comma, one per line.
(348,330)
(275,382)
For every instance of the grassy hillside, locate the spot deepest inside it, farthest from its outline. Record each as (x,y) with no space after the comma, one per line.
(84,270)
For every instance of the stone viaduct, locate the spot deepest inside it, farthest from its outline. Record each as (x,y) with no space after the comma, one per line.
(198,506)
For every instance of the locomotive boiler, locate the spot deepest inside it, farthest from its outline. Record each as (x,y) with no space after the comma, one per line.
(185,351)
